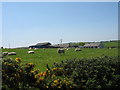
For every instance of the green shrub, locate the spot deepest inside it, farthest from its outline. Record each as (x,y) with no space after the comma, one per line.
(100,72)
(17,75)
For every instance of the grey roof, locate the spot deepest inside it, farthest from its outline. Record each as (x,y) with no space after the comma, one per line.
(92,44)
(41,44)
(45,43)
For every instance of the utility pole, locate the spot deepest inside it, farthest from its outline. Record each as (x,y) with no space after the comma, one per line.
(9,45)
(60,41)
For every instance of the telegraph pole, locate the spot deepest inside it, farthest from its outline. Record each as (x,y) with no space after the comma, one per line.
(9,45)
(60,41)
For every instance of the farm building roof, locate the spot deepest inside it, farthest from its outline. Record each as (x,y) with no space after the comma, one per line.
(92,44)
(62,45)
(45,43)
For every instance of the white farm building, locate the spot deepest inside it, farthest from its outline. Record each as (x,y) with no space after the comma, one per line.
(93,45)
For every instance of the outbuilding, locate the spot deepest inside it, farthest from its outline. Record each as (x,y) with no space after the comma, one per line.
(94,45)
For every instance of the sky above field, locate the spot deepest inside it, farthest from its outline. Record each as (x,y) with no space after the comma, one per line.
(25,24)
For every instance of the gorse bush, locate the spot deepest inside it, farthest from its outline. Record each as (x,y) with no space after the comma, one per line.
(17,75)
(100,72)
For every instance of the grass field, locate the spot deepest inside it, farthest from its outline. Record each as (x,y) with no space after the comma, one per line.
(111,44)
(50,55)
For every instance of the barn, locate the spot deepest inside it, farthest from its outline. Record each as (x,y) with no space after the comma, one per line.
(94,45)
(41,45)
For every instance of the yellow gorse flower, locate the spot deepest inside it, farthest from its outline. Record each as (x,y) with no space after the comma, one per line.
(55,81)
(30,64)
(39,74)
(32,71)
(41,79)
(53,76)
(18,59)
(54,69)
(46,86)
(42,74)
(53,85)
(20,71)
(59,86)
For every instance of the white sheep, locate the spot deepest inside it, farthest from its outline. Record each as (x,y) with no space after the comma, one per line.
(35,48)
(30,48)
(67,49)
(3,54)
(60,51)
(12,53)
(30,52)
(77,49)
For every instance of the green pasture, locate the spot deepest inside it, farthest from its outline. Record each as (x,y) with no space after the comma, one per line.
(48,56)
(111,44)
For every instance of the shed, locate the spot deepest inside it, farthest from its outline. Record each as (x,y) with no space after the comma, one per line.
(94,45)
(41,45)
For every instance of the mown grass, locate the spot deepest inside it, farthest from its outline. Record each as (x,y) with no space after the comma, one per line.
(50,55)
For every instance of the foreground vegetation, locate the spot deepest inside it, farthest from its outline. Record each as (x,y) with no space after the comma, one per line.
(86,73)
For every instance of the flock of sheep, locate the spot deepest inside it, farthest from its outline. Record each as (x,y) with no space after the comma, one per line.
(59,51)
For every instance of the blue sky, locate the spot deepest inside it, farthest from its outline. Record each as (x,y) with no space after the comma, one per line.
(28,23)
(0,24)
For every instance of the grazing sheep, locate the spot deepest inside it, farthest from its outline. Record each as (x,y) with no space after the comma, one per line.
(12,53)
(30,52)
(5,53)
(77,49)
(35,48)
(60,51)
(67,49)
(30,48)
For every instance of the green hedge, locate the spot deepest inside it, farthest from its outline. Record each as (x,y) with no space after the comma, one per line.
(17,75)
(100,72)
